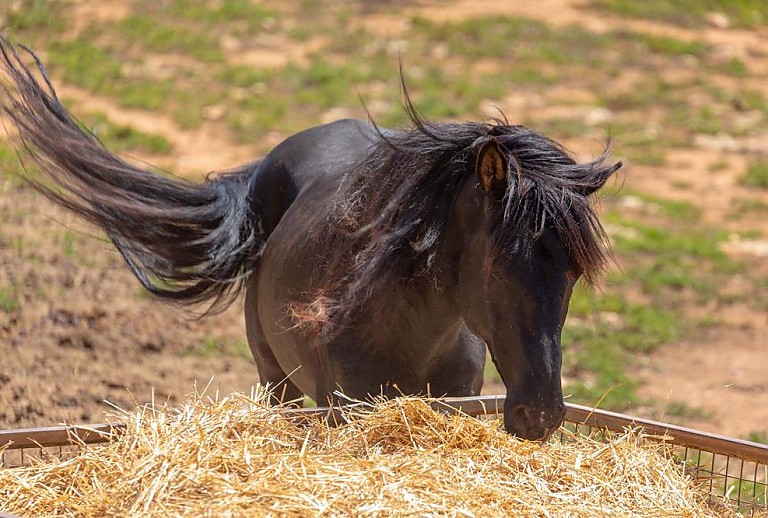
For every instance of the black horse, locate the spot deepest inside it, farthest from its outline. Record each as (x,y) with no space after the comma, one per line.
(373,261)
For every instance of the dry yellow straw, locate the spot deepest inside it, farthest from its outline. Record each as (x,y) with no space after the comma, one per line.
(236,456)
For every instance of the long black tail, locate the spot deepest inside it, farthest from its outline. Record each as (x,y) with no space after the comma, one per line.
(190,243)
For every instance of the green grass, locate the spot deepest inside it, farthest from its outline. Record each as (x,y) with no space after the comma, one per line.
(672,46)
(683,409)
(11,170)
(121,137)
(101,71)
(750,206)
(747,13)
(672,264)
(600,350)
(532,50)
(760,436)
(679,211)
(735,67)
(8,300)
(212,15)
(560,128)
(490,372)
(69,239)
(34,15)
(242,76)
(527,54)
(216,346)
(597,362)
(706,121)
(748,99)
(756,175)
(158,36)
(719,165)
(672,261)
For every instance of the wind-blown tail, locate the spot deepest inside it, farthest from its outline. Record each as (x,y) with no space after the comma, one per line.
(190,243)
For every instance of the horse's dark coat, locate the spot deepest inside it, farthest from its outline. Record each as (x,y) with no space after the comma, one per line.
(373,261)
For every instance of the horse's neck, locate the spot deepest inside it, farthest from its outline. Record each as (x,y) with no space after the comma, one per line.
(420,311)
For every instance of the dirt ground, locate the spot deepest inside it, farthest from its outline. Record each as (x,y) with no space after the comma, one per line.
(84,334)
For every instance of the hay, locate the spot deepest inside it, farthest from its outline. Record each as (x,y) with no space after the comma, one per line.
(236,456)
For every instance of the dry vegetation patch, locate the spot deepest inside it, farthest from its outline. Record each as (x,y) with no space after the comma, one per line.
(238,456)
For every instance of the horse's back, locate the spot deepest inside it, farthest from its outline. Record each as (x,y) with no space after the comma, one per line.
(327,150)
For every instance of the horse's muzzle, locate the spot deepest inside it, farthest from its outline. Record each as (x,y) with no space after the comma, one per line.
(533,424)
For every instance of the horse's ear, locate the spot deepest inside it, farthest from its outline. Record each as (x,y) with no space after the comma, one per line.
(492,168)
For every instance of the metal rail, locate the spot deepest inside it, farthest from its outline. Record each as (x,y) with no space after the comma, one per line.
(64,435)
(680,435)
(475,406)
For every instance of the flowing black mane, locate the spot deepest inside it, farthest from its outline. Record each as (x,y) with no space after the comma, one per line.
(396,205)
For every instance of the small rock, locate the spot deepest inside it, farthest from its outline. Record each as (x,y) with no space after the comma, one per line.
(518,102)
(490,108)
(615,231)
(632,203)
(214,113)
(690,61)
(395,47)
(379,106)
(440,51)
(334,114)
(717,20)
(723,54)
(62,317)
(269,24)
(154,346)
(745,247)
(598,116)
(748,120)
(612,319)
(230,44)
(719,142)
(66,401)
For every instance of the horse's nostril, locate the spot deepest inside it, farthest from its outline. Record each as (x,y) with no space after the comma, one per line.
(531,423)
(521,416)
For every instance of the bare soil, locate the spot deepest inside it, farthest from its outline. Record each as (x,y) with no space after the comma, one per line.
(84,333)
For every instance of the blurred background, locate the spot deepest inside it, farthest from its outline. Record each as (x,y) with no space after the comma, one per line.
(678,330)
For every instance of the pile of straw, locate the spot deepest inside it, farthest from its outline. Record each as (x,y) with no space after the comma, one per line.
(238,456)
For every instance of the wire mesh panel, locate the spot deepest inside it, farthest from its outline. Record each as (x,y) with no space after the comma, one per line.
(743,482)
(19,457)
(23,447)
(731,470)
(726,477)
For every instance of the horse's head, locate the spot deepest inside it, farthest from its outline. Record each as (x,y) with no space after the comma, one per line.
(516,278)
